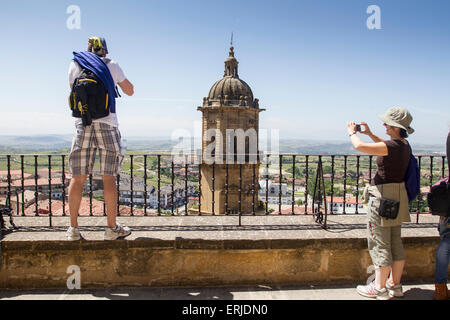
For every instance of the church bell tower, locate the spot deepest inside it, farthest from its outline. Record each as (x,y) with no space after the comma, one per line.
(230,153)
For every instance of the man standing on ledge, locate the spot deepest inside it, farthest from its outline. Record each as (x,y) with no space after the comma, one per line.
(100,134)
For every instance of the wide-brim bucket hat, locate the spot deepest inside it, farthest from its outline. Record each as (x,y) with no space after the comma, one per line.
(398,117)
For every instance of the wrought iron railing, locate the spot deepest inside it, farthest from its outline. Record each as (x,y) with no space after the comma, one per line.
(161,185)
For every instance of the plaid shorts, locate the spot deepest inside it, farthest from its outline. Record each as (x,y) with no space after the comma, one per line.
(87,140)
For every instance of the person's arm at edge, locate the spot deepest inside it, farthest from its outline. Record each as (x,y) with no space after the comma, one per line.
(448,153)
(72,68)
(127,87)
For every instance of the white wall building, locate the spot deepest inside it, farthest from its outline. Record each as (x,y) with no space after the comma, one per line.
(350,205)
(273,194)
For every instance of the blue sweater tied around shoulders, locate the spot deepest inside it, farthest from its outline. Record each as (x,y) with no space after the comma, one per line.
(92,62)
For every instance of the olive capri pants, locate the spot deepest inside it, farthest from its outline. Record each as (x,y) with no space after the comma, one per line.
(385,243)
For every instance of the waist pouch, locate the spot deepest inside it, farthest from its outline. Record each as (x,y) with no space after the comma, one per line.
(388,208)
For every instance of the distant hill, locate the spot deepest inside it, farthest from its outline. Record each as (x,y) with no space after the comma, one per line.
(51,143)
(38,143)
(342,147)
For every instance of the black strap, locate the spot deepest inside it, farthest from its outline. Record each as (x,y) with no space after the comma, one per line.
(410,148)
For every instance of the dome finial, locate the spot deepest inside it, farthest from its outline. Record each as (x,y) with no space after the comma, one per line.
(231,64)
(231,54)
(231,46)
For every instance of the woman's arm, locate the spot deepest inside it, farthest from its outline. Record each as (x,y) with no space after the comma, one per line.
(375,148)
(369,133)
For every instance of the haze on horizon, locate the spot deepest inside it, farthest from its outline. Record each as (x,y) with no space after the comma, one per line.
(314,65)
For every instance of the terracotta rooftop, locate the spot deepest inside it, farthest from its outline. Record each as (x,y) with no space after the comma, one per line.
(349,200)
(32,182)
(97,208)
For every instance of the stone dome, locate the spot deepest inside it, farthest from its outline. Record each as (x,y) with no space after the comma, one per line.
(231,90)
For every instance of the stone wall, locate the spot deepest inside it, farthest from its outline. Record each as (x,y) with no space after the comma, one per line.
(182,262)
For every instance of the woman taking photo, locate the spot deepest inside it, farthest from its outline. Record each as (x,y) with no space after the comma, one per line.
(388,201)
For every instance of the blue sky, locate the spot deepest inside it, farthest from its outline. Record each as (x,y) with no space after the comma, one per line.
(314,65)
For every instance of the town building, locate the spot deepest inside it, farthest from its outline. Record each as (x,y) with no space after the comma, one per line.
(53,187)
(273,192)
(350,204)
(137,194)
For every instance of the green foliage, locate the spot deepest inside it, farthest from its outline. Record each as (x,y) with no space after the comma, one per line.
(98,198)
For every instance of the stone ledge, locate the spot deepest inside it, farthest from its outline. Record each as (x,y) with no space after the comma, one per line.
(200,244)
(214,228)
(178,251)
(188,262)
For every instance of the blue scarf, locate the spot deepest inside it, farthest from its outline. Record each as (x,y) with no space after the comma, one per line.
(92,62)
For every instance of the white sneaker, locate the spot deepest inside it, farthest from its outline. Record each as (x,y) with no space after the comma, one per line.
(118,232)
(73,234)
(370,291)
(394,291)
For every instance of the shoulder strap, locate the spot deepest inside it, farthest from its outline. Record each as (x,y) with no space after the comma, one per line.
(106,60)
(409,145)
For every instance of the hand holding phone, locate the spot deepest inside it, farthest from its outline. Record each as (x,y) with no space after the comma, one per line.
(366,129)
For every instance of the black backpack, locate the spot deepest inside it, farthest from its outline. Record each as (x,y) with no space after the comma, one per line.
(439,199)
(89,98)
(439,196)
